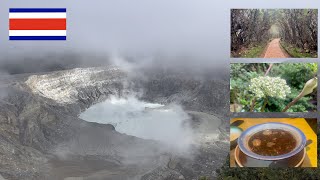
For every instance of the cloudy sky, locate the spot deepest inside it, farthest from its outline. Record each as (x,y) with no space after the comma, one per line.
(195,27)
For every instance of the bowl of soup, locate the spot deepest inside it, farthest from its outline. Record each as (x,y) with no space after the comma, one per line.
(272,141)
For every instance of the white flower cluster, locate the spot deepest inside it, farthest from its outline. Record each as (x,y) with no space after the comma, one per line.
(265,86)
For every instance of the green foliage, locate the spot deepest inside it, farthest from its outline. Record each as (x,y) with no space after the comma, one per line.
(203,178)
(295,74)
(297,52)
(251,27)
(253,51)
(239,83)
(303,105)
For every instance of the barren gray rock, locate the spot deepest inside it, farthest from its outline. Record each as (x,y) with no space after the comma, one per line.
(41,136)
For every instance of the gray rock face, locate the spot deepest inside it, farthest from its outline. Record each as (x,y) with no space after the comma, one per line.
(1,178)
(41,136)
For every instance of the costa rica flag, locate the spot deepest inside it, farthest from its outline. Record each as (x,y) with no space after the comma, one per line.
(37,24)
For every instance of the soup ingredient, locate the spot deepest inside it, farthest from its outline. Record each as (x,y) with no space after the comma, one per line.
(272,142)
(256,142)
(267,132)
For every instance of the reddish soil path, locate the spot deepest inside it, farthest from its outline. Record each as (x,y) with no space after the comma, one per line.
(274,50)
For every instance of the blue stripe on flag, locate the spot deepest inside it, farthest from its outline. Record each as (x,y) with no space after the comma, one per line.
(37,38)
(22,10)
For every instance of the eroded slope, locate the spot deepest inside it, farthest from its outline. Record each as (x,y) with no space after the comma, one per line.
(41,133)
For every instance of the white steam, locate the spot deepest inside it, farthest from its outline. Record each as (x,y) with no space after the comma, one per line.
(131,116)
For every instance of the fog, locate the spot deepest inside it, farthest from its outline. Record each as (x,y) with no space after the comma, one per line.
(167,124)
(187,32)
(275,31)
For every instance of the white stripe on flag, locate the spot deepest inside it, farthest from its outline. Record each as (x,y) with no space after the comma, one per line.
(36,15)
(37,33)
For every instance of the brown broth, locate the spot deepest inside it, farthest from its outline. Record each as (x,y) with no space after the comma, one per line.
(272,142)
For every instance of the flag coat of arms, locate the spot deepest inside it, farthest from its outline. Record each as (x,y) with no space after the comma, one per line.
(37,24)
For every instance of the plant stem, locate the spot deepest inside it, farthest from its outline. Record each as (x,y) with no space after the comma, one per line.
(252,104)
(292,103)
(234,107)
(267,72)
(264,104)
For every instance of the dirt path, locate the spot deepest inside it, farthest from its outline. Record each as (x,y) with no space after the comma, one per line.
(274,50)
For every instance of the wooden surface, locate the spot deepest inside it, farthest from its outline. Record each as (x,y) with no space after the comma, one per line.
(311,158)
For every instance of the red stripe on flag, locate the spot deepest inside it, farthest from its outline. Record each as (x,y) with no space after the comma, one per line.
(38,24)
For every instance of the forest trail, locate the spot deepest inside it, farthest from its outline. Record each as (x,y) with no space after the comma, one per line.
(274,50)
